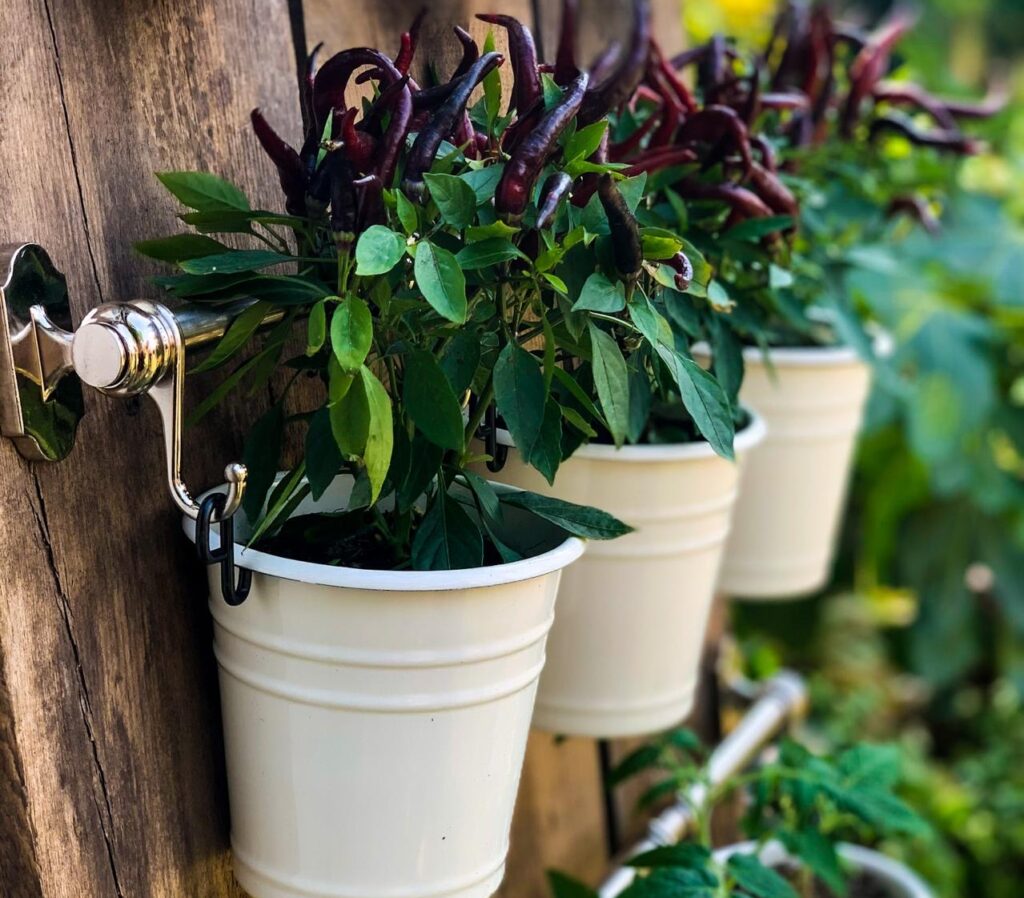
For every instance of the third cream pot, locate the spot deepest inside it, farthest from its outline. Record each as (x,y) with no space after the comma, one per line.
(624,652)
(793,490)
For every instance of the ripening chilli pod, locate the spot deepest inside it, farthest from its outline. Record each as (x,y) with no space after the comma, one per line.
(531,155)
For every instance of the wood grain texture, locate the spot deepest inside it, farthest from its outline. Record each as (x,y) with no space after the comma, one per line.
(559,822)
(109,723)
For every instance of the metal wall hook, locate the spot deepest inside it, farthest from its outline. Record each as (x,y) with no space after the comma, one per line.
(121,349)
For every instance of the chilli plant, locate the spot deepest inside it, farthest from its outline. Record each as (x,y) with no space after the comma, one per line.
(446,282)
(803,802)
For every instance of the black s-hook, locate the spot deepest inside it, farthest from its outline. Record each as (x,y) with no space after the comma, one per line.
(224,555)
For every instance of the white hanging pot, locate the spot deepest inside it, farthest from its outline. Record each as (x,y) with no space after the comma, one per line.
(897,879)
(794,487)
(375,721)
(625,651)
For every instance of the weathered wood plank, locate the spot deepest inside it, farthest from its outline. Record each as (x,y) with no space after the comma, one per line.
(559,820)
(111,726)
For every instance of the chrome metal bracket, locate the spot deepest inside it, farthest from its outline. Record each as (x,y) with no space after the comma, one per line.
(121,349)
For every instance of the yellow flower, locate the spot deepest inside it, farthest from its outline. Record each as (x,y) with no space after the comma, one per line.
(747,20)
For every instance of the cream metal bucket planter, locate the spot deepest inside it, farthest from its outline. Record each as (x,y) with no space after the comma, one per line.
(624,653)
(375,721)
(793,489)
(896,878)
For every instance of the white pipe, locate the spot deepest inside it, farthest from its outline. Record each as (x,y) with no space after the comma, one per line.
(783,700)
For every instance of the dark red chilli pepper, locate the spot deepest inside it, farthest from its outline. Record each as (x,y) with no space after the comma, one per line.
(627,247)
(306,90)
(360,147)
(387,98)
(744,202)
(464,136)
(900,93)
(565,57)
(689,57)
(618,87)
(712,69)
(951,141)
(525,165)
(870,65)
(660,159)
(344,199)
(290,169)
(525,122)
(917,209)
(683,268)
(369,202)
(604,63)
(470,52)
(788,100)
(526,80)
(766,152)
(777,195)
(410,39)
(719,126)
(332,79)
(625,148)
(668,75)
(423,151)
(996,101)
(556,188)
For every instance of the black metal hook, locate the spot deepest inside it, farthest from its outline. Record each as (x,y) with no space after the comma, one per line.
(497,452)
(225,554)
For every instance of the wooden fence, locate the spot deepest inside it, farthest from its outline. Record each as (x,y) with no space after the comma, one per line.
(111,779)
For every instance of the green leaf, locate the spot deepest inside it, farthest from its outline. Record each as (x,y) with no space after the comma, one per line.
(431,401)
(233,261)
(818,852)
(682,854)
(485,493)
(579,394)
(520,395)
(285,291)
(585,141)
(350,419)
(552,92)
(316,330)
(757,879)
(611,379)
(873,765)
(379,250)
(285,497)
(407,213)
(563,886)
(754,229)
(599,294)
(203,192)
(380,432)
(180,247)
(323,460)
(546,452)
(351,332)
(447,538)
(485,232)
(657,246)
(640,759)
(460,359)
(579,520)
(488,252)
(483,182)
(261,456)
(492,85)
(672,882)
(454,198)
(441,281)
(237,335)
(701,394)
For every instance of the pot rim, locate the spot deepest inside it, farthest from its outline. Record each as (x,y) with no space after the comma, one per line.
(810,356)
(746,439)
(893,873)
(561,556)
